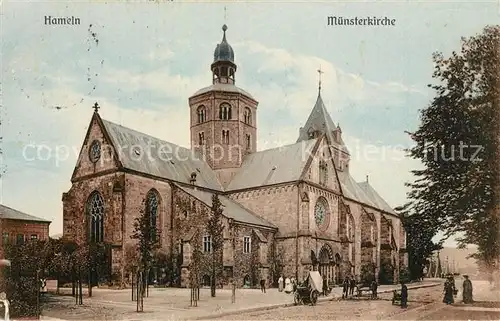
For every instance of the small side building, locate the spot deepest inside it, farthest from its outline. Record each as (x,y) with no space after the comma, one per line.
(17,227)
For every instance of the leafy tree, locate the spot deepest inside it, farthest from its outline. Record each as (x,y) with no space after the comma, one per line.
(419,234)
(147,235)
(458,144)
(367,273)
(386,273)
(215,229)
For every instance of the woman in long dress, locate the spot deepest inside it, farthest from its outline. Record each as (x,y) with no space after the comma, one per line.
(288,285)
(280,284)
(467,290)
(448,292)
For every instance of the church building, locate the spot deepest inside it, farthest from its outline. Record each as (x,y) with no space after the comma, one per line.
(286,210)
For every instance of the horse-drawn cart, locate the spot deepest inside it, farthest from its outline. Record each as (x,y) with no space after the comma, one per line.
(308,292)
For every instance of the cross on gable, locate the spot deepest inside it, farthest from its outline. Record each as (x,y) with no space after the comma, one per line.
(319,73)
(96,107)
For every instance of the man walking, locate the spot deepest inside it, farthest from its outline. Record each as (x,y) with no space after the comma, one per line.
(404,296)
(352,285)
(374,289)
(263,286)
(345,287)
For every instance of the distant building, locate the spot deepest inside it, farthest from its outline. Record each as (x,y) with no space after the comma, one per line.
(17,227)
(288,210)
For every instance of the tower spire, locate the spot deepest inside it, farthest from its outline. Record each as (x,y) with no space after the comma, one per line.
(319,82)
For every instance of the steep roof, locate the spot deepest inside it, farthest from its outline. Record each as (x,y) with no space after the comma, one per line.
(12,214)
(376,198)
(320,120)
(149,155)
(273,166)
(232,209)
(362,192)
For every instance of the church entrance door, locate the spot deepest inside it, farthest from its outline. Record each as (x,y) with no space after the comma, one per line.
(326,263)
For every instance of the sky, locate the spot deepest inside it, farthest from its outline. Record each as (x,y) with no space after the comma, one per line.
(141,61)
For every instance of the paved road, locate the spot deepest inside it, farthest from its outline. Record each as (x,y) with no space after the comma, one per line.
(346,309)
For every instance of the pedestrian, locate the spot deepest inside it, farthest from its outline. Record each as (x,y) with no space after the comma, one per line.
(263,286)
(280,284)
(467,290)
(345,287)
(325,286)
(404,296)
(448,291)
(374,289)
(352,285)
(288,286)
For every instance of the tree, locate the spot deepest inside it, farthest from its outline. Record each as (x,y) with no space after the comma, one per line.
(147,236)
(457,141)
(419,234)
(215,229)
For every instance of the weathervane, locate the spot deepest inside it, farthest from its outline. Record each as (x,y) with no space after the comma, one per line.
(320,72)
(96,107)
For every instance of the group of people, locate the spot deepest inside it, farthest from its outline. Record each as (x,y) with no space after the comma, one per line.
(287,284)
(450,291)
(348,286)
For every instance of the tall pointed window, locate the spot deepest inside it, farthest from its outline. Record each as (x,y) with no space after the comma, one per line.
(225,111)
(202,114)
(247,116)
(225,136)
(201,138)
(249,141)
(152,211)
(323,173)
(95,217)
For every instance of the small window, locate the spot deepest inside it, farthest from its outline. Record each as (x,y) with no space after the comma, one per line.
(207,244)
(34,237)
(20,239)
(5,238)
(185,213)
(246,244)
(201,139)
(202,116)
(225,136)
(247,116)
(249,145)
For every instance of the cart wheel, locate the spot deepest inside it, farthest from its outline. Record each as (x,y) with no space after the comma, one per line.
(296,298)
(314,297)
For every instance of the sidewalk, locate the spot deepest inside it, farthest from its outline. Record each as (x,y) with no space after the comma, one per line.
(174,303)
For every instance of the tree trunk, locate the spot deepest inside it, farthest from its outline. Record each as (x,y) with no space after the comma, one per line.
(212,285)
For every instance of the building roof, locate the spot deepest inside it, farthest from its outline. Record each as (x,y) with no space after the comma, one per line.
(153,156)
(320,120)
(12,214)
(273,166)
(362,192)
(224,51)
(232,209)
(376,198)
(223,88)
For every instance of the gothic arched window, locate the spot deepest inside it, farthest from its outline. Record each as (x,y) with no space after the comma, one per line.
(323,172)
(249,142)
(202,114)
(201,138)
(225,111)
(247,116)
(95,217)
(152,210)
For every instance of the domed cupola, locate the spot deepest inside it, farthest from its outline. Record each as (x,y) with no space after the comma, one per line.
(223,67)
(224,51)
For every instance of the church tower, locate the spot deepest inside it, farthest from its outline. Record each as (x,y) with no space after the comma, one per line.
(320,123)
(223,117)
